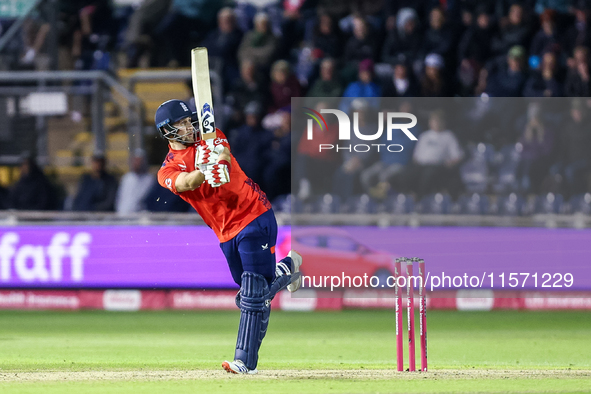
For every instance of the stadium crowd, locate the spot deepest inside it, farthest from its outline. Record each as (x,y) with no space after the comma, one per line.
(270,51)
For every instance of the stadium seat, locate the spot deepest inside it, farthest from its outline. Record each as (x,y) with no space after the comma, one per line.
(362,204)
(507,161)
(400,204)
(511,205)
(327,203)
(581,203)
(284,203)
(475,204)
(549,203)
(437,203)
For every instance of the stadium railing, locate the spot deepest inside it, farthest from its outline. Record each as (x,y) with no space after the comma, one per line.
(10,218)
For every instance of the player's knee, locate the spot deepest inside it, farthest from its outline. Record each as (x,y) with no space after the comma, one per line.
(254,292)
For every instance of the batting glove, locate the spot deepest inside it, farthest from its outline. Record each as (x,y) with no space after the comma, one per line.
(217,174)
(207,154)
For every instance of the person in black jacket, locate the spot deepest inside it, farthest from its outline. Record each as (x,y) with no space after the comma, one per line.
(250,142)
(404,39)
(222,44)
(577,83)
(98,189)
(363,44)
(402,83)
(574,163)
(32,191)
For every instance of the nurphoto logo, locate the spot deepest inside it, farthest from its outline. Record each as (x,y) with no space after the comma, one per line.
(345,129)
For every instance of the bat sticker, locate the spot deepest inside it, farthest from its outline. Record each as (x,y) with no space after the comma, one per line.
(207,119)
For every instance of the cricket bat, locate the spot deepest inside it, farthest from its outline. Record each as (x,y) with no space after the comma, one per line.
(202,93)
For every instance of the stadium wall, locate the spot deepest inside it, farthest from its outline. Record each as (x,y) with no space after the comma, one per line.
(135,300)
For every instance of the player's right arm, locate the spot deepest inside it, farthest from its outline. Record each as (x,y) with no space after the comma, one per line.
(189,181)
(172,177)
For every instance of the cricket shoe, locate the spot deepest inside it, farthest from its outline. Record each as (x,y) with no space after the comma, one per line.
(238,367)
(296,259)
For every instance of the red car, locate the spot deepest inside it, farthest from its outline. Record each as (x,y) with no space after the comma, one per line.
(333,252)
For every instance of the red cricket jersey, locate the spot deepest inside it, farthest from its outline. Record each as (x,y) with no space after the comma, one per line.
(227,209)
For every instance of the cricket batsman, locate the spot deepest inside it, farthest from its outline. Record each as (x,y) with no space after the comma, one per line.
(207,176)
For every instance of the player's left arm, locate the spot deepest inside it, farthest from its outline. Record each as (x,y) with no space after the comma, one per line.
(225,156)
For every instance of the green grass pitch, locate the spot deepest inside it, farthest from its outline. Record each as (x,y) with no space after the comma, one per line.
(321,352)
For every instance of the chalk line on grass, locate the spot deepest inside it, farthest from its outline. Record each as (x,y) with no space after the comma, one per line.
(361,374)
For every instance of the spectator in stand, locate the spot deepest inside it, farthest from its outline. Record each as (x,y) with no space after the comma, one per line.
(33,191)
(466,18)
(284,85)
(363,87)
(538,145)
(506,80)
(326,38)
(475,44)
(277,172)
(363,44)
(546,38)
(97,190)
(314,166)
(474,50)
(141,23)
(403,39)
(513,31)
(259,45)
(403,83)
(432,83)
(439,37)
(579,33)
(134,186)
(436,159)
(186,23)
(223,42)
(93,36)
(577,77)
(35,31)
(250,142)
(328,85)
(544,83)
(573,159)
(290,20)
(250,87)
